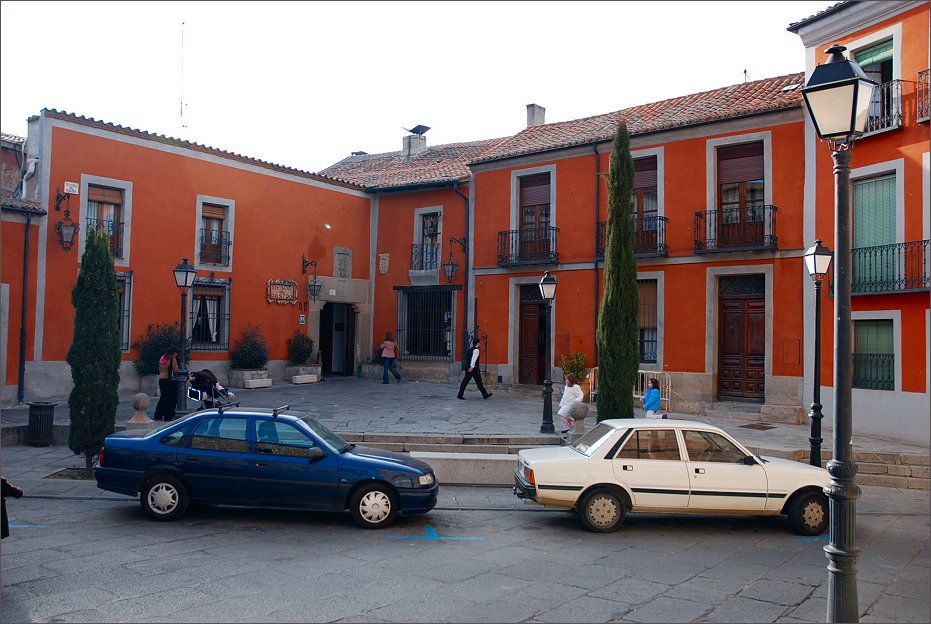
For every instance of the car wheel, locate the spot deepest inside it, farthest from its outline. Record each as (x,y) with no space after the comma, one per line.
(373,506)
(164,497)
(602,511)
(808,513)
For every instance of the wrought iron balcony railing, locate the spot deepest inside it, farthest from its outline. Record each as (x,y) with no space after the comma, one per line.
(899,267)
(113,230)
(886,108)
(530,245)
(424,257)
(736,229)
(874,371)
(215,246)
(649,237)
(923,96)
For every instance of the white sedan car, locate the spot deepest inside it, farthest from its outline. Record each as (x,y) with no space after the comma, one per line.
(669,466)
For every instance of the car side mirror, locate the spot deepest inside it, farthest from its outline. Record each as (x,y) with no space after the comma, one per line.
(315,453)
(749,460)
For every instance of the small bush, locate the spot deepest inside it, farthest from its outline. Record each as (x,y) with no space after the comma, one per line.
(251,350)
(300,347)
(158,338)
(574,363)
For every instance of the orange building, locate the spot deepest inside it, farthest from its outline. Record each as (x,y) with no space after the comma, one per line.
(438,243)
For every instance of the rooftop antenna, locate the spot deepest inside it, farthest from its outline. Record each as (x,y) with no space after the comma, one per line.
(181,120)
(746,77)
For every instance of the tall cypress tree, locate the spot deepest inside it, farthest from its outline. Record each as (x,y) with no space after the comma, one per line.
(618,317)
(94,355)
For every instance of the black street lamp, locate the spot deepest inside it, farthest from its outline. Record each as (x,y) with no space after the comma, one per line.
(548,290)
(818,261)
(838,98)
(184,278)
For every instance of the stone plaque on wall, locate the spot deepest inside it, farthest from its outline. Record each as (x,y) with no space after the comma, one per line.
(343,262)
(383,263)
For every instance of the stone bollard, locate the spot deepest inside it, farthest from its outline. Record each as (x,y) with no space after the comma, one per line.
(139,419)
(578,412)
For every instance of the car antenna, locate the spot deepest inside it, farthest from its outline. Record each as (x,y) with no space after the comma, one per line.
(276,411)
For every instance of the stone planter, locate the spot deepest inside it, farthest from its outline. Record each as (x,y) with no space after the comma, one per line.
(240,376)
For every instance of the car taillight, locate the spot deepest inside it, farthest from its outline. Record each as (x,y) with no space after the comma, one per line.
(100,458)
(528,473)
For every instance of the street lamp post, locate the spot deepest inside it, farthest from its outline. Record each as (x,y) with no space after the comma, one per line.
(548,290)
(838,98)
(184,277)
(818,261)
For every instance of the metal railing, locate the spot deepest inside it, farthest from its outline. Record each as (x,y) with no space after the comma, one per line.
(874,371)
(899,267)
(641,385)
(923,96)
(114,232)
(424,257)
(736,229)
(531,245)
(215,246)
(649,237)
(886,108)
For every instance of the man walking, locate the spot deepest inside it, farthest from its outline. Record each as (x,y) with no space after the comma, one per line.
(473,372)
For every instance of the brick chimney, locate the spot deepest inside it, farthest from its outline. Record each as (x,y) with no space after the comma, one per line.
(413,144)
(535,115)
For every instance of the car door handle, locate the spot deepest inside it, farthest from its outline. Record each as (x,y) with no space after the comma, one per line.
(192,458)
(627,467)
(699,471)
(261,464)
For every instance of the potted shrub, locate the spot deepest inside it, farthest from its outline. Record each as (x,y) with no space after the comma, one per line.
(300,350)
(158,337)
(249,357)
(575,363)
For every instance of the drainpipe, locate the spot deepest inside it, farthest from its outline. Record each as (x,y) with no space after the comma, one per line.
(465,272)
(595,264)
(20,386)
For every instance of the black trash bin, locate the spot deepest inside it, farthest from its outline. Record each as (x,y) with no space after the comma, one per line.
(41,416)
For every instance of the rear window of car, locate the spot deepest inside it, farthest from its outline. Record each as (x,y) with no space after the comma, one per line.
(594,439)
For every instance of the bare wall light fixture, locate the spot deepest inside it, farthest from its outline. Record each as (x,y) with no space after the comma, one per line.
(66,228)
(313,289)
(451,267)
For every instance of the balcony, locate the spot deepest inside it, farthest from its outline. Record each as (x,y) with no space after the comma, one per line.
(531,245)
(424,257)
(736,229)
(114,232)
(215,247)
(886,108)
(882,269)
(923,96)
(649,238)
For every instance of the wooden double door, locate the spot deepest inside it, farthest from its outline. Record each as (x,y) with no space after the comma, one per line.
(742,339)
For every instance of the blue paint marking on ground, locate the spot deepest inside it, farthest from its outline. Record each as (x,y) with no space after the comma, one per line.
(15,525)
(431,534)
(816,538)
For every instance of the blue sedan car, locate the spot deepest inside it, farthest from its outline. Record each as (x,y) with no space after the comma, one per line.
(255,457)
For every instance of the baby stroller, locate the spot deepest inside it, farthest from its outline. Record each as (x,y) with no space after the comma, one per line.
(206,388)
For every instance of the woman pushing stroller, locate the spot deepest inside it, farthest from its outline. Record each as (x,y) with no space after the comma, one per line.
(212,394)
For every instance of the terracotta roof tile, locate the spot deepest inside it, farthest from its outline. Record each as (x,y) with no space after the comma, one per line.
(9,202)
(750,98)
(441,164)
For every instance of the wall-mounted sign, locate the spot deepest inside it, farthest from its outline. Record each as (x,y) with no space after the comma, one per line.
(281,291)
(72,188)
(303,319)
(382,263)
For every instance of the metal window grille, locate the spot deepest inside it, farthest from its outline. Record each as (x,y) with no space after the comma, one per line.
(114,232)
(209,314)
(125,283)
(874,371)
(886,108)
(215,246)
(923,93)
(424,257)
(425,324)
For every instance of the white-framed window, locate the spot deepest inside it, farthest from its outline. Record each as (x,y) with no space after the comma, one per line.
(124,281)
(879,55)
(107,205)
(215,218)
(210,314)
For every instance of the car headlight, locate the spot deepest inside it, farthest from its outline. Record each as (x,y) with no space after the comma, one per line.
(426,479)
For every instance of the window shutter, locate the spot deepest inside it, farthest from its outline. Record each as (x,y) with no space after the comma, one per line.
(874,336)
(213,212)
(740,163)
(645,172)
(647,292)
(535,190)
(875,54)
(104,195)
(874,212)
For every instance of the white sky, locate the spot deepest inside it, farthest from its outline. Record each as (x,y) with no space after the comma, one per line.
(303,84)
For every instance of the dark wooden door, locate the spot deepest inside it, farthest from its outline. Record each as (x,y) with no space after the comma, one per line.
(531,363)
(742,349)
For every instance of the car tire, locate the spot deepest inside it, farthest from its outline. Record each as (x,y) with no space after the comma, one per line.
(164,497)
(602,511)
(374,506)
(808,513)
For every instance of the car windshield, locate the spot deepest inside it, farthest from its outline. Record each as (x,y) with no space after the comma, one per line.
(591,441)
(325,434)
(170,423)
